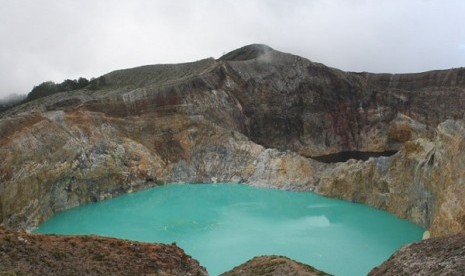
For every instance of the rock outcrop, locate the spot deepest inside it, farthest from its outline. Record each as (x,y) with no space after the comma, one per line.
(273,266)
(436,256)
(25,254)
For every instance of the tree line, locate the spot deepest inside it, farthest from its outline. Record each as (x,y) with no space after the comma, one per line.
(48,88)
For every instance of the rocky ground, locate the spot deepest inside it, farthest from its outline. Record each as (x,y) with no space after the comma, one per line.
(438,256)
(25,254)
(273,266)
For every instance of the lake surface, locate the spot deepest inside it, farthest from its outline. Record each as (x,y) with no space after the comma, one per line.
(224,225)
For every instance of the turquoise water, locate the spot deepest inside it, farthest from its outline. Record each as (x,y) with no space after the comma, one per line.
(224,225)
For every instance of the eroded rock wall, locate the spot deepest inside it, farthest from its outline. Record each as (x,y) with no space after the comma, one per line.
(423,182)
(65,159)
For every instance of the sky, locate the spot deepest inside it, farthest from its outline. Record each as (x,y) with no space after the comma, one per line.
(54,40)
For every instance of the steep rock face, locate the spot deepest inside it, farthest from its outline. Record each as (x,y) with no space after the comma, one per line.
(447,178)
(254,116)
(437,256)
(389,183)
(294,104)
(70,158)
(423,182)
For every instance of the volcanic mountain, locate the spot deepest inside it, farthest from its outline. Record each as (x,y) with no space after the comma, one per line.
(255,115)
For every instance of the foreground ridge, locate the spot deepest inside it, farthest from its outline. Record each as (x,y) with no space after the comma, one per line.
(25,254)
(273,266)
(437,256)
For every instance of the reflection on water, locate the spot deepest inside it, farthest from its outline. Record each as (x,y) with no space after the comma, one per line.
(225,225)
(315,221)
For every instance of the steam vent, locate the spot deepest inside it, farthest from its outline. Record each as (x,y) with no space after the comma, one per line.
(257,116)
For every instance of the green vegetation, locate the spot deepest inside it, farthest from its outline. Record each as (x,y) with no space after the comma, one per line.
(153,75)
(49,88)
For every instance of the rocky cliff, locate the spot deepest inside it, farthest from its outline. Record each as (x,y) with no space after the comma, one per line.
(422,182)
(256,115)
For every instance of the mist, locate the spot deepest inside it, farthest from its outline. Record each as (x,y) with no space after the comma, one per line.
(57,40)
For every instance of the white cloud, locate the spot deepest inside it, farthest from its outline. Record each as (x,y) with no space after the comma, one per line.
(53,40)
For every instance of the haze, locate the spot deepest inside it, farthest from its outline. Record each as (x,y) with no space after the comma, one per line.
(56,40)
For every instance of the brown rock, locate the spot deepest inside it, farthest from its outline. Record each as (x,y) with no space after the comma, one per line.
(421,183)
(26,254)
(436,256)
(273,266)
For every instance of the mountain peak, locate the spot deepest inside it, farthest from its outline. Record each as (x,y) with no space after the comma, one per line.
(251,51)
